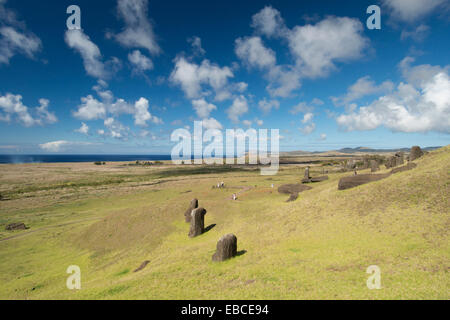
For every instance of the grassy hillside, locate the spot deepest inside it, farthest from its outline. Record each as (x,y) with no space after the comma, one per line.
(317,247)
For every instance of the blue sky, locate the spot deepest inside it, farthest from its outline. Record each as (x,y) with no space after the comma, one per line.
(138,70)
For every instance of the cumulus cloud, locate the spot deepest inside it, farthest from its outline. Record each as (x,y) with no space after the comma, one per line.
(307,117)
(417,34)
(91,55)
(62,145)
(140,62)
(318,47)
(362,87)
(307,130)
(84,129)
(302,107)
(138,31)
(412,10)
(238,108)
(252,51)
(92,108)
(315,49)
(268,22)
(420,105)
(211,123)
(267,105)
(196,44)
(323,137)
(12,107)
(203,108)
(116,129)
(191,77)
(14,37)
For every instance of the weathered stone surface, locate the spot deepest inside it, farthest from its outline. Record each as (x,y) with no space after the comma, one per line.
(226,248)
(399,159)
(192,206)
(416,153)
(374,166)
(315,179)
(351,164)
(307,173)
(391,162)
(16,226)
(197,222)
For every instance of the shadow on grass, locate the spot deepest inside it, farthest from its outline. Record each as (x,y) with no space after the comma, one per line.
(209,228)
(241,253)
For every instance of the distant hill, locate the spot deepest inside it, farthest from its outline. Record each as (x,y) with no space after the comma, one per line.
(348,151)
(369,150)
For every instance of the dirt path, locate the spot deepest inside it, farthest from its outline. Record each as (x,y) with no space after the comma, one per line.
(243,189)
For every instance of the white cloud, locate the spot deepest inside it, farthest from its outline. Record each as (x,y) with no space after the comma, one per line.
(318,47)
(412,10)
(268,22)
(307,130)
(203,108)
(238,108)
(196,44)
(116,129)
(307,117)
(417,34)
(61,145)
(90,109)
(259,122)
(92,57)
(362,87)
(283,80)
(323,137)
(14,37)
(12,107)
(211,123)
(93,109)
(414,107)
(247,123)
(266,106)
(84,129)
(302,107)
(138,31)
(191,76)
(140,62)
(252,51)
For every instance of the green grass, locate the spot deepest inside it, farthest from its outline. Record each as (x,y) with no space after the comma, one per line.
(317,247)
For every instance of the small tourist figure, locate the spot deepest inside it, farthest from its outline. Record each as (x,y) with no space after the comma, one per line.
(222,184)
(272,186)
(218,185)
(234,197)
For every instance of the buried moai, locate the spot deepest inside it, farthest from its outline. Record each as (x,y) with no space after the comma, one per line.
(307,176)
(197,222)
(374,166)
(192,206)
(226,248)
(415,153)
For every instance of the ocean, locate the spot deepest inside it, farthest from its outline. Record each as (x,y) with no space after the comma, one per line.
(46,158)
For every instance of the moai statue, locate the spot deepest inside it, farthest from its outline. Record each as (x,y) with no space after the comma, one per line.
(307,177)
(192,206)
(197,222)
(226,248)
